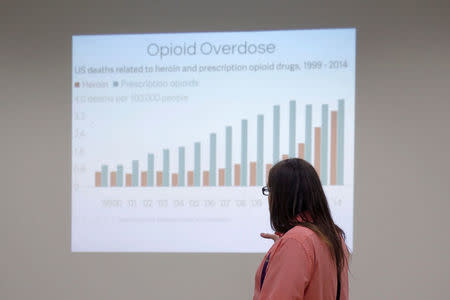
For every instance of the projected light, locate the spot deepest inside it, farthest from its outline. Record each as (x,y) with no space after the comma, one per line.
(174,134)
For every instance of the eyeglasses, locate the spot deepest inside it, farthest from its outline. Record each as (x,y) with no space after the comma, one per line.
(265,190)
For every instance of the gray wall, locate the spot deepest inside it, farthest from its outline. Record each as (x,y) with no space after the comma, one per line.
(402,201)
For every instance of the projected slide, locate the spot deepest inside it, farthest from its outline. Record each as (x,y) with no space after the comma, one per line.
(174,134)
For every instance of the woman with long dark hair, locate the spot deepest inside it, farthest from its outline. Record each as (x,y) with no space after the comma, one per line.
(309,259)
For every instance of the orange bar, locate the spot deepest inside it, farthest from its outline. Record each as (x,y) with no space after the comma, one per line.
(252,173)
(143,178)
(301,150)
(284,156)
(98,178)
(268,167)
(205,178)
(333,148)
(159,177)
(237,174)
(221,177)
(127,179)
(174,179)
(317,133)
(190,178)
(113,178)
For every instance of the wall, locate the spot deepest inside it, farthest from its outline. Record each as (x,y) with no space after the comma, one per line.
(402,194)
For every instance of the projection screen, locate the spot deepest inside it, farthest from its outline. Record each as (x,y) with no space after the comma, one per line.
(174,134)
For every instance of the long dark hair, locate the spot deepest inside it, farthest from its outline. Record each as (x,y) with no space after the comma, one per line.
(295,191)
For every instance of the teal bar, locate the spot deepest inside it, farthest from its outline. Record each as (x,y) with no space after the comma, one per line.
(260,150)
(228,141)
(308,133)
(135,173)
(165,167)
(212,159)
(181,166)
(340,142)
(244,146)
(119,175)
(276,134)
(104,175)
(150,169)
(324,146)
(197,164)
(292,117)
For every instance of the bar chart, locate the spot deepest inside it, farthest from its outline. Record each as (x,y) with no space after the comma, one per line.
(322,147)
(172,147)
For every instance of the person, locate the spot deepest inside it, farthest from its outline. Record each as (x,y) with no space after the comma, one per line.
(309,258)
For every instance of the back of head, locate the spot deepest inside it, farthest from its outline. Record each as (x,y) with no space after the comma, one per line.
(296,198)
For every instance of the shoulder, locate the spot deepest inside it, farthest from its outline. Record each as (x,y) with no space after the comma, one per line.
(294,252)
(302,235)
(304,238)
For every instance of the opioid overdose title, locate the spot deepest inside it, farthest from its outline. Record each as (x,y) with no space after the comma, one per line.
(208,48)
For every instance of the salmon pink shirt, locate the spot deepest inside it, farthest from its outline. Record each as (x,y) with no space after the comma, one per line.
(299,266)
